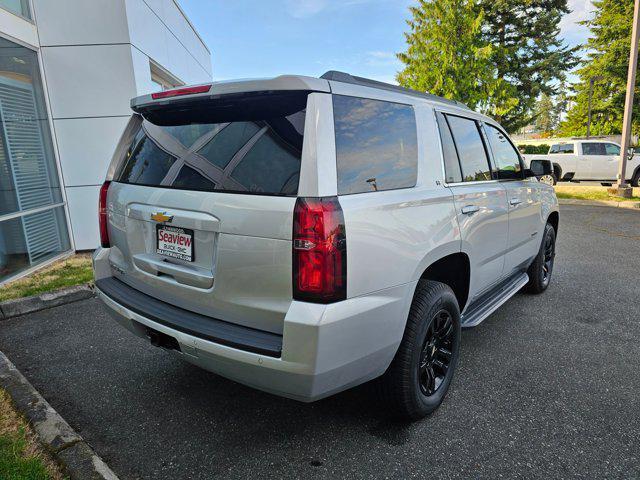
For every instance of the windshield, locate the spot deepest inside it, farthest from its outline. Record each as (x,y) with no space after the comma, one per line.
(247,144)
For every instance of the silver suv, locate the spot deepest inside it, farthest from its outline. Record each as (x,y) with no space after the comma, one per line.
(305,235)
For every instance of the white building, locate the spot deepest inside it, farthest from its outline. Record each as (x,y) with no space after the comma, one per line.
(68,69)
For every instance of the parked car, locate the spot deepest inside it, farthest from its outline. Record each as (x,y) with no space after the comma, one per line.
(303,235)
(594,160)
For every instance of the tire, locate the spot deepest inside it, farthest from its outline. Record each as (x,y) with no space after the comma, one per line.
(415,383)
(541,269)
(549,179)
(635,181)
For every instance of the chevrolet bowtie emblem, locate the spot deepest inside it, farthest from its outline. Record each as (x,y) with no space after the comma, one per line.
(161,217)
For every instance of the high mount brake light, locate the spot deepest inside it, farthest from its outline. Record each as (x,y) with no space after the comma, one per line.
(103,216)
(176,92)
(319,251)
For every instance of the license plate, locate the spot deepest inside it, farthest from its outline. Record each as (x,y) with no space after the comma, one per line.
(175,242)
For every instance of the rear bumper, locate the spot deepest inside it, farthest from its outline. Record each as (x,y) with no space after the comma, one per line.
(324,348)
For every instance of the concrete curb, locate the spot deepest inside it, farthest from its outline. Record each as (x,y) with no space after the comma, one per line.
(599,203)
(22,306)
(69,448)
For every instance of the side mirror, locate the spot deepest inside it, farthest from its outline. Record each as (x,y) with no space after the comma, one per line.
(538,168)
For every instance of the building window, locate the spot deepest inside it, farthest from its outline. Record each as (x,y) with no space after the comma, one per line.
(33,226)
(162,79)
(19,7)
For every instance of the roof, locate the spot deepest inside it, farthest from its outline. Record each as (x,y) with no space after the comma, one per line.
(343,77)
(290,82)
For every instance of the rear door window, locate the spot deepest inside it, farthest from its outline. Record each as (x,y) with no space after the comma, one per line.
(452,170)
(242,145)
(376,145)
(562,148)
(505,156)
(593,149)
(470,147)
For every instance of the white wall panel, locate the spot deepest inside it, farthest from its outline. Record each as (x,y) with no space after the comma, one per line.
(78,22)
(182,32)
(197,74)
(89,81)
(83,213)
(147,32)
(86,146)
(179,59)
(142,73)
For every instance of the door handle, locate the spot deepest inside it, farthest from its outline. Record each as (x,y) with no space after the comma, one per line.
(469,209)
(515,201)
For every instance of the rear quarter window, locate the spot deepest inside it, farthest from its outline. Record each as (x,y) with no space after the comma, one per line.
(376,145)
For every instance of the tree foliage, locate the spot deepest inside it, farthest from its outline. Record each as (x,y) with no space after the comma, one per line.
(528,52)
(607,64)
(447,55)
(496,56)
(546,115)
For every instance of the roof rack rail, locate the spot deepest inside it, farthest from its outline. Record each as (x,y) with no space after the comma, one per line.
(367,82)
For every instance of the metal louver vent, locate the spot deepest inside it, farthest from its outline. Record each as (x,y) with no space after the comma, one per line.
(28,163)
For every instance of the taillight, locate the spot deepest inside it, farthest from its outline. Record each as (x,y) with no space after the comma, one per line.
(176,92)
(319,251)
(103,218)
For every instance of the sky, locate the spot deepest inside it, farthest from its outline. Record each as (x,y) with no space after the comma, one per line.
(262,38)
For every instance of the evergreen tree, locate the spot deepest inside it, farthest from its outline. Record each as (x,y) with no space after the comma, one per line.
(561,103)
(448,56)
(546,115)
(607,64)
(527,51)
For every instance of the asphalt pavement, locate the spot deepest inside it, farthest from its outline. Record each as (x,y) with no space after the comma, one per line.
(548,386)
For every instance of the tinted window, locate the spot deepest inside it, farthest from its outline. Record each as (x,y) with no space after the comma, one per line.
(270,165)
(188,134)
(505,155)
(471,151)
(226,143)
(562,148)
(593,149)
(612,149)
(248,144)
(376,145)
(451,164)
(147,163)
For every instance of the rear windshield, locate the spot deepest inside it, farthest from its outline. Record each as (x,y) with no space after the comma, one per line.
(243,145)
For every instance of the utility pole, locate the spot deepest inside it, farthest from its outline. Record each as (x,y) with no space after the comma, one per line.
(622,186)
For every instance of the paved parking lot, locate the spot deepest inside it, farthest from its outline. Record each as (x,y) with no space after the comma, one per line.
(549,386)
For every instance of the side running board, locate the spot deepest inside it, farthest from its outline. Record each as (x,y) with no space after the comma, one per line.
(488,304)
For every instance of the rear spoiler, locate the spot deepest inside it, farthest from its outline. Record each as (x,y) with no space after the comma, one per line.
(216,89)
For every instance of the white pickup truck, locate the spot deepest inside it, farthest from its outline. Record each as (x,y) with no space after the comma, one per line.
(593,160)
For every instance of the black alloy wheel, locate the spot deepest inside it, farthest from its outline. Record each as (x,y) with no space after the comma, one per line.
(435,357)
(549,256)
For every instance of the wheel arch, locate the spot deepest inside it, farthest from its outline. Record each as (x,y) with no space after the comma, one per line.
(453,270)
(554,220)
(636,176)
(557,170)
